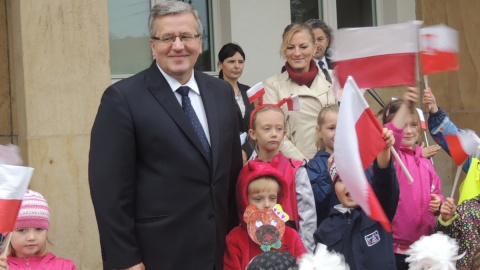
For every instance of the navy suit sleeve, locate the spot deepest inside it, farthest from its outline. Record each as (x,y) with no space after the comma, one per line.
(112,180)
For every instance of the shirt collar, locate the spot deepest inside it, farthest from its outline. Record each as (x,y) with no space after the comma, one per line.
(174,84)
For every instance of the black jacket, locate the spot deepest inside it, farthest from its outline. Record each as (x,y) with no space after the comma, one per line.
(363,241)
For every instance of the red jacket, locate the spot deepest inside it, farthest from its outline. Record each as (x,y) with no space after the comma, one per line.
(240,249)
(47,262)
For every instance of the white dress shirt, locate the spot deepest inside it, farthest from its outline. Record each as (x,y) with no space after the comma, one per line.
(193,94)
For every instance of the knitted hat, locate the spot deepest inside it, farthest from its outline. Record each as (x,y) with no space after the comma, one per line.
(273,260)
(333,173)
(33,212)
(255,169)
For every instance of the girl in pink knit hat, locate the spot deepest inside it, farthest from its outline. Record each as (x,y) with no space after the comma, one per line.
(28,245)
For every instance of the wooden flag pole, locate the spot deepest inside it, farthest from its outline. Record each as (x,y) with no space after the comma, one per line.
(399,160)
(7,244)
(457,176)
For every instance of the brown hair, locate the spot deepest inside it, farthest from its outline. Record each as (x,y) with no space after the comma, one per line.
(292,29)
(321,120)
(392,108)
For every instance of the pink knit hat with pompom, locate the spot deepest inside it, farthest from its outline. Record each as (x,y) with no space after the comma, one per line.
(34,212)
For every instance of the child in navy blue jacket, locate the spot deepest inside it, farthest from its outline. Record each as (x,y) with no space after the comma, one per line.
(348,230)
(317,167)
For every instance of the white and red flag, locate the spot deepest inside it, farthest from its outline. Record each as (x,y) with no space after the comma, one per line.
(293,103)
(438,49)
(14,182)
(422,119)
(377,56)
(462,145)
(358,141)
(255,92)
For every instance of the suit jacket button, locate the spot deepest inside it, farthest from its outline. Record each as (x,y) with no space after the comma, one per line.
(211,216)
(212,186)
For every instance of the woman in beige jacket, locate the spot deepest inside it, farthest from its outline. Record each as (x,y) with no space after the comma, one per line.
(305,79)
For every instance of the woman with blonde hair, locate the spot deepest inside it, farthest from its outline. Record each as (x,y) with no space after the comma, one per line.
(305,79)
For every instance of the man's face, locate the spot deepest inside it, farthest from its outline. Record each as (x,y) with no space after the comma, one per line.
(321,41)
(178,58)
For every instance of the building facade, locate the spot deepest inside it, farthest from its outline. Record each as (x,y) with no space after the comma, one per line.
(58,56)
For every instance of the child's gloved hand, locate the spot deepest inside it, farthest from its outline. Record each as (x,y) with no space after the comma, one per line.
(448,209)
(434,204)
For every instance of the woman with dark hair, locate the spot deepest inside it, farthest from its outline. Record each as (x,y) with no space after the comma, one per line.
(231,59)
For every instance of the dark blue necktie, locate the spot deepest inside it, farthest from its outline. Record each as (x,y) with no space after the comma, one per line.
(190,112)
(325,71)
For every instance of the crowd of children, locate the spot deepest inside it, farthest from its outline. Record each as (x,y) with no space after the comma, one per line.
(342,225)
(311,204)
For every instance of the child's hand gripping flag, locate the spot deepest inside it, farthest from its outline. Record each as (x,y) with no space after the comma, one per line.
(358,141)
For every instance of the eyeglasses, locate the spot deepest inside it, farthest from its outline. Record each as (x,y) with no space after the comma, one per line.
(169,39)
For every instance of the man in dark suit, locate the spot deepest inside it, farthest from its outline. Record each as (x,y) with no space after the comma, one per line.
(165,155)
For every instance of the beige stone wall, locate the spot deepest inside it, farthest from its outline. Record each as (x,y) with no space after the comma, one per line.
(59,66)
(7,134)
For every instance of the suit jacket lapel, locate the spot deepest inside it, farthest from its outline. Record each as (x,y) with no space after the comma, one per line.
(211,110)
(161,90)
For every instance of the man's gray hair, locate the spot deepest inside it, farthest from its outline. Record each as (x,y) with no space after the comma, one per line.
(316,23)
(171,7)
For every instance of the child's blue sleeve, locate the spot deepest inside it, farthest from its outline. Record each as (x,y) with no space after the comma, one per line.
(439,124)
(319,179)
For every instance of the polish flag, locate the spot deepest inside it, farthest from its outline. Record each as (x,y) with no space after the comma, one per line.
(462,145)
(14,182)
(438,49)
(422,119)
(293,103)
(377,56)
(255,92)
(358,141)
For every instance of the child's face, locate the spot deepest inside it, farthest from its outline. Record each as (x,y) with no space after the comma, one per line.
(326,131)
(263,193)
(412,131)
(269,130)
(28,242)
(343,195)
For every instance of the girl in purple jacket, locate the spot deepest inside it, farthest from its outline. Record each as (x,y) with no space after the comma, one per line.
(28,246)
(420,200)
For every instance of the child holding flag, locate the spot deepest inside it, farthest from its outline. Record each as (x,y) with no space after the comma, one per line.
(423,194)
(349,230)
(28,246)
